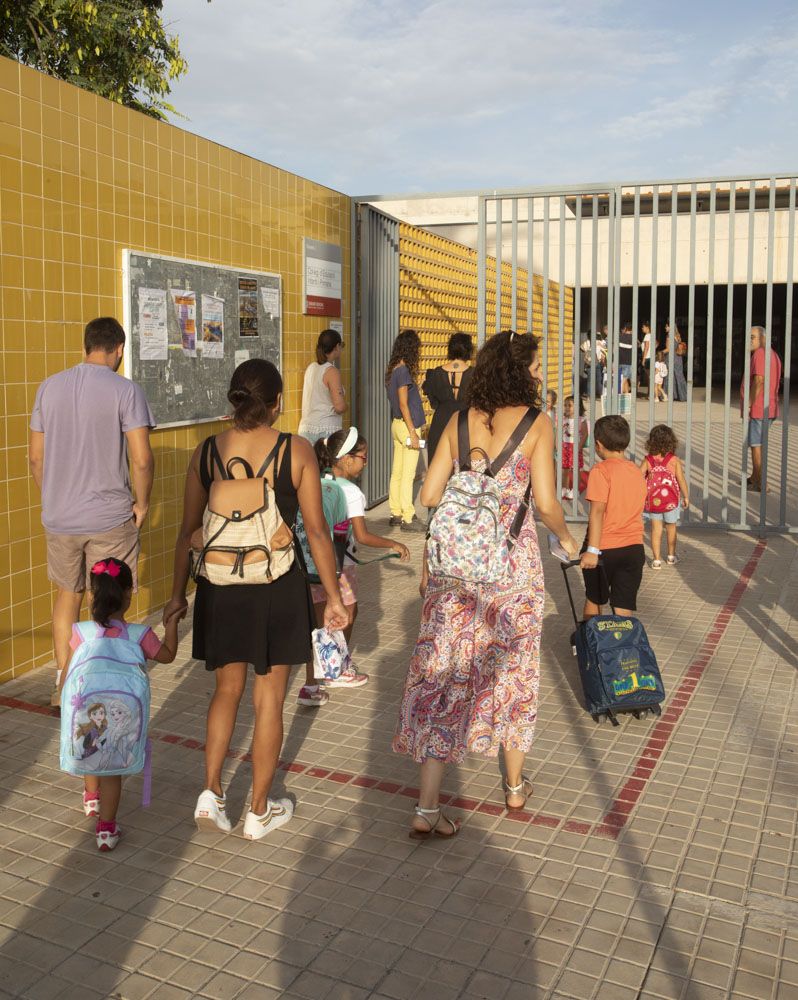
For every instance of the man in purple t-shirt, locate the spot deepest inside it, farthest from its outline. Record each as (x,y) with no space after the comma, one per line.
(86,422)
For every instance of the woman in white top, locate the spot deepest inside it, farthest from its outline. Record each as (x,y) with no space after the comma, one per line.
(323,393)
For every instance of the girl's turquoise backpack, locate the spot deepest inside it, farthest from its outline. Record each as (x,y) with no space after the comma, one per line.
(105,704)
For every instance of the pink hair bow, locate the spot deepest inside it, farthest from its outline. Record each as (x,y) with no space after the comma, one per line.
(111,567)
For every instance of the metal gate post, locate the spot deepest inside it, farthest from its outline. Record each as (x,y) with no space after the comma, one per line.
(482,265)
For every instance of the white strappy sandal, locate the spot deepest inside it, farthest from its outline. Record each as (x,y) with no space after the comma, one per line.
(524,788)
(433,827)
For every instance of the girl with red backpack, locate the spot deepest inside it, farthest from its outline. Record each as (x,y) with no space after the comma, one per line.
(667,491)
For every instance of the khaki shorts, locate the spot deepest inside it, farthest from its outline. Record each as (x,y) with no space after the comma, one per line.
(71,557)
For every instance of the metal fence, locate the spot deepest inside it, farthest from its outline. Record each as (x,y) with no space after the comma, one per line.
(708,257)
(376,295)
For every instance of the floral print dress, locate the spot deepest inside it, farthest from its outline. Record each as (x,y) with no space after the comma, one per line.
(472,684)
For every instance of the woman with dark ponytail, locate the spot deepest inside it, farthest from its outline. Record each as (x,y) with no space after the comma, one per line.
(322,392)
(265,624)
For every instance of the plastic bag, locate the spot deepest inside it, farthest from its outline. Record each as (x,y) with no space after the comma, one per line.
(331,656)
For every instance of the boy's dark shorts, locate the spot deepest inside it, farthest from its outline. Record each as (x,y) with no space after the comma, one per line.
(620,579)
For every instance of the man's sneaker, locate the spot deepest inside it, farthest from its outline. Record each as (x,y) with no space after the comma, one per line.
(419,527)
(352,679)
(395,520)
(312,697)
(107,839)
(91,803)
(209,812)
(279,812)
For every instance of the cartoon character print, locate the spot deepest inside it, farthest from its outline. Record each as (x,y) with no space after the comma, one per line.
(122,736)
(92,734)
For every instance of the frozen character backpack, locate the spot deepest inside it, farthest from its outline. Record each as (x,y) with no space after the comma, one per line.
(467,540)
(243,538)
(333,502)
(662,490)
(105,703)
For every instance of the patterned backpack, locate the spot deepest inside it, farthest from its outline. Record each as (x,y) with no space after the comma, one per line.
(243,538)
(467,540)
(105,703)
(662,489)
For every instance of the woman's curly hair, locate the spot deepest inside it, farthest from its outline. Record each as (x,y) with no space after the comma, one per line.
(661,440)
(407,348)
(501,374)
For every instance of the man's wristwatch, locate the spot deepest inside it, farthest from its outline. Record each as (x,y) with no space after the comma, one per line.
(593,550)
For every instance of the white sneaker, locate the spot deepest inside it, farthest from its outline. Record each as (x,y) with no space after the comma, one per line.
(209,813)
(278,814)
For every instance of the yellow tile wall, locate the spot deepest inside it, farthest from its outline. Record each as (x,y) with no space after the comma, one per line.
(438,297)
(81,179)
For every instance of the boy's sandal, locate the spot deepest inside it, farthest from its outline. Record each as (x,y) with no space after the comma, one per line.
(425,814)
(524,788)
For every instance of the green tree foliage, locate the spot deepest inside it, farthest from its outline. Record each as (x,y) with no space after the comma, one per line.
(119,49)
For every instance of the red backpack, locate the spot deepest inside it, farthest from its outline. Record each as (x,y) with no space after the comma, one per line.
(662,494)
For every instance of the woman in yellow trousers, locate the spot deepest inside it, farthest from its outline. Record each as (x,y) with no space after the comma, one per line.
(407,423)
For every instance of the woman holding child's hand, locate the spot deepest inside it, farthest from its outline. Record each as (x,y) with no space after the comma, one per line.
(266,624)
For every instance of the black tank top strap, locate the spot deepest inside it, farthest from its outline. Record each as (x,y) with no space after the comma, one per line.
(283,474)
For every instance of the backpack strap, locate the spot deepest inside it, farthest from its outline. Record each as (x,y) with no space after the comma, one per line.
(135,632)
(463,441)
(515,439)
(272,456)
(89,630)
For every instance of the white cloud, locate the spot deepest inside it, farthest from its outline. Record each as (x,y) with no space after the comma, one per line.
(364,95)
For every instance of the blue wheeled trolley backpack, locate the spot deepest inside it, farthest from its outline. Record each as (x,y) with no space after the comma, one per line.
(617,665)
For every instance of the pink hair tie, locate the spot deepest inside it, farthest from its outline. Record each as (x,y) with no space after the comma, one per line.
(112,568)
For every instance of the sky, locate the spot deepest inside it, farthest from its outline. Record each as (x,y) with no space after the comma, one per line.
(371,97)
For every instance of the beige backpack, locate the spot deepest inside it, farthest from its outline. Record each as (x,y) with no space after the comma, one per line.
(243,538)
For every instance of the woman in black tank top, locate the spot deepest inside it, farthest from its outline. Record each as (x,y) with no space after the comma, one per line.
(446,387)
(266,624)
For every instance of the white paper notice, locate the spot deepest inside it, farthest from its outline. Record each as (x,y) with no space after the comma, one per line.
(212,342)
(271,300)
(337,325)
(241,357)
(153,335)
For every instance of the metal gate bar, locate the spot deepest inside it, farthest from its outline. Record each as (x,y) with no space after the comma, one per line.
(378,324)
(785,419)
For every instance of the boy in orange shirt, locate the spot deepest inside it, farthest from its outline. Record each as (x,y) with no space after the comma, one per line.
(616,490)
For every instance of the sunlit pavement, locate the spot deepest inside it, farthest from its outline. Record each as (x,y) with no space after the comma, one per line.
(654,860)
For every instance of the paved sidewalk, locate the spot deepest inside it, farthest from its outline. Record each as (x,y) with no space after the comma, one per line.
(657,860)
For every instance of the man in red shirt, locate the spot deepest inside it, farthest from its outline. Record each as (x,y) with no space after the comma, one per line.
(756,401)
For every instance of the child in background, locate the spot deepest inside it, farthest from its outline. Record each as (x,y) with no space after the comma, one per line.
(616,491)
(660,374)
(111,592)
(345,452)
(666,489)
(551,408)
(568,440)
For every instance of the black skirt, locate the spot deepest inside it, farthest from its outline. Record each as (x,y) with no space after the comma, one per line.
(265,624)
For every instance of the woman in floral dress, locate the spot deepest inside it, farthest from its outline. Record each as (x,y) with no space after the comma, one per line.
(472,684)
